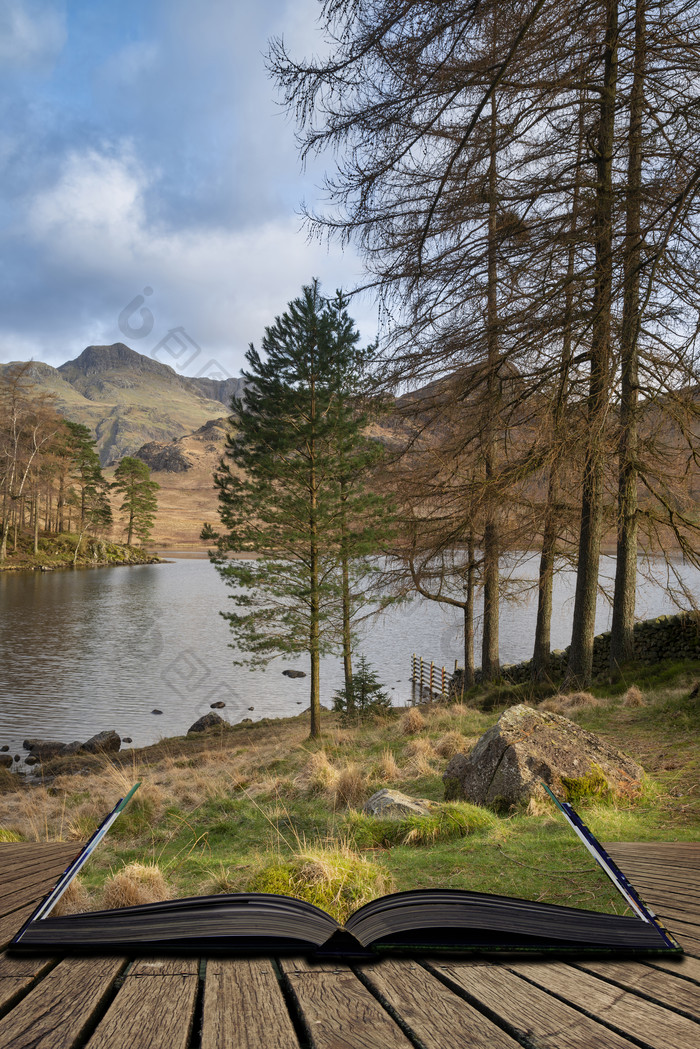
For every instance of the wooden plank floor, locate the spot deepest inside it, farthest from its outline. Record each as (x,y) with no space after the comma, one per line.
(290,1003)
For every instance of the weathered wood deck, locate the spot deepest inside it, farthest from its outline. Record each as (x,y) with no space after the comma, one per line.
(159,1003)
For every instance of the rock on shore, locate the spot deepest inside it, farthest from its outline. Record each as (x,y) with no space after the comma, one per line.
(527,747)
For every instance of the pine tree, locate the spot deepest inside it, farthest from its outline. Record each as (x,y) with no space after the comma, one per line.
(133,479)
(294,448)
(364,696)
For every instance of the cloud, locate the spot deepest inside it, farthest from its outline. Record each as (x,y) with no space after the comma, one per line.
(32,34)
(96,203)
(92,231)
(155,156)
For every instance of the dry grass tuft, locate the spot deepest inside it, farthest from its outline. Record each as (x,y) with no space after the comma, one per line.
(420,746)
(84,820)
(75,900)
(452,743)
(223,879)
(536,807)
(560,704)
(134,884)
(387,769)
(318,776)
(351,785)
(633,697)
(411,722)
(418,765)
(553,704)
(580,700)
(8,834)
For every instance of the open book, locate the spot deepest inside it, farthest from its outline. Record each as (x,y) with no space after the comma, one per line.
(424,920)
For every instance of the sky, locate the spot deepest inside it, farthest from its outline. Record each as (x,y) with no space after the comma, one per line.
(150,184)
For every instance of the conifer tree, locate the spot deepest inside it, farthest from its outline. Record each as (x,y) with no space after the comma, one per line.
(289,490)
(133,479)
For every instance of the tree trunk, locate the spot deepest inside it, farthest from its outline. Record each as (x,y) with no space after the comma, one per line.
(550,533)
(60,505)
(345,569)
(622,630)
(469,616)
(36,523)
(489,650)
(5,525)
(580,667)
(314,611)
(543,643)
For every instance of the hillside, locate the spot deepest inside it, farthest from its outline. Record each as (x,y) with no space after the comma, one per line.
(128,399)
(184,470)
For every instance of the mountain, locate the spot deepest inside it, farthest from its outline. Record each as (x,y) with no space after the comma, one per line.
(128,399)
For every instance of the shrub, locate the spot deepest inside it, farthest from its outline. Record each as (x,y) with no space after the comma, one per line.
(365,697)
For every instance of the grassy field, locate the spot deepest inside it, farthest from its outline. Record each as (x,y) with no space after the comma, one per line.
(261,807)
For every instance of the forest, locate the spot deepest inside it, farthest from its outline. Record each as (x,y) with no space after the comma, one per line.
(521,180)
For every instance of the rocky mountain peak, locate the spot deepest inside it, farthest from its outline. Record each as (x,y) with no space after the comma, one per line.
(98,360)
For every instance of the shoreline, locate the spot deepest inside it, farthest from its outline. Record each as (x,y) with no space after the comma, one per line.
(58,553)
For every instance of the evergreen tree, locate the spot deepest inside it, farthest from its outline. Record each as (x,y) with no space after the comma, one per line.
(133,479)
(294,447)
(364,696)
(86,474)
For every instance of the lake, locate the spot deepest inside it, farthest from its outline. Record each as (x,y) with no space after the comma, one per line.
(92,649)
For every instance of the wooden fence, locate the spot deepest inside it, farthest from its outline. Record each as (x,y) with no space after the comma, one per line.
(427,678)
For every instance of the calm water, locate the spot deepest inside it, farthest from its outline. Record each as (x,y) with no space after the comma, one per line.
(82,651)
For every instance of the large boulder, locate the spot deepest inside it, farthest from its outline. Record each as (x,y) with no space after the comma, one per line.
(205,722)
(393,805)
(107,741)
(527,747)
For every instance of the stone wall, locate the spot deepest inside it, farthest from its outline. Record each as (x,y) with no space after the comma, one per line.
(666,637)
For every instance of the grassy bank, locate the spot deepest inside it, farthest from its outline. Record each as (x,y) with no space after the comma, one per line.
(259,806)
(59,551)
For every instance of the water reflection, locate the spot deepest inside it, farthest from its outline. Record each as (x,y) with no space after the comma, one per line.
(81,651)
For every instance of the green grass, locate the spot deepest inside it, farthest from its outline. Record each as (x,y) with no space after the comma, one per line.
(246,806)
